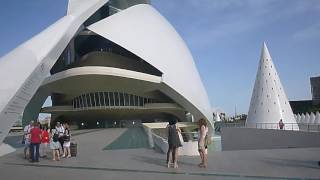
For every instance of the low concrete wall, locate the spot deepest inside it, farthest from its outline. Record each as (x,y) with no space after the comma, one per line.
(251,138)
(187,149)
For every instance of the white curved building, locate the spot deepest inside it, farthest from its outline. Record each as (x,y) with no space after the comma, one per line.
(105,60)
(269,102)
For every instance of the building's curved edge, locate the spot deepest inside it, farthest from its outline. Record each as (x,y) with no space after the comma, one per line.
(98,70)
(40,53)
(154,40)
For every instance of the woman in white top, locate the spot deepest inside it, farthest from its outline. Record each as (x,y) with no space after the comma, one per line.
(203,130)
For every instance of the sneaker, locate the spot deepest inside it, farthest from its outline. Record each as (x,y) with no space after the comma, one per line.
(69,156)
(175,165)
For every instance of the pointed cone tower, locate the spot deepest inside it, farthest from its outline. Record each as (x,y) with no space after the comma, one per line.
(303,118)
(312,118)
(269,102)
(317,119)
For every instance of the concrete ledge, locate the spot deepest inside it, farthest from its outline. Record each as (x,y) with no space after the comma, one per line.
(6,149)
(251,138)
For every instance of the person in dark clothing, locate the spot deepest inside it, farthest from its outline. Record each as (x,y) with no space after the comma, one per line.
(173,142)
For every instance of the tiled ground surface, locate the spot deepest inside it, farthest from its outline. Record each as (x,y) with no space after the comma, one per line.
(93,162)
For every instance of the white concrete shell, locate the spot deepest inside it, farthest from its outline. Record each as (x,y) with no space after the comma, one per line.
(139,29)
(269,102)
(154,40)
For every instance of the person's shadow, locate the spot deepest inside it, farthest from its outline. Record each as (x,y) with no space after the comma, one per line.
(158,161)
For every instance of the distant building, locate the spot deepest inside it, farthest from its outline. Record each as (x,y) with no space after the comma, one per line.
(315,89)
(313,105)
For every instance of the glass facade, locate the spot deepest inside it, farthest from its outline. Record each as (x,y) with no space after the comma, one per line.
(109,99)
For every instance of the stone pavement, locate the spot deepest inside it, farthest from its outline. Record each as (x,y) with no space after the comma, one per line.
(93,162)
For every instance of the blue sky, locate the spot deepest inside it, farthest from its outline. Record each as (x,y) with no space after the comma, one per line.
(224,36)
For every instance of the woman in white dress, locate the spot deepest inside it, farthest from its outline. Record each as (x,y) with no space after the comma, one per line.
(203,130)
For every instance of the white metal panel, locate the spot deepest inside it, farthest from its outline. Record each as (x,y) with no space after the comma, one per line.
(24,68)
(144,32)
(269,102)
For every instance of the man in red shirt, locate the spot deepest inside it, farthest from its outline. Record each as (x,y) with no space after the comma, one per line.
(35,139)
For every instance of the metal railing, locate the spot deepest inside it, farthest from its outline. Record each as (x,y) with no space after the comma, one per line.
(308,127)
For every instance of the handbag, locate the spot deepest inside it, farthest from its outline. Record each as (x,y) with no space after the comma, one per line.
(207,140)
(180,138)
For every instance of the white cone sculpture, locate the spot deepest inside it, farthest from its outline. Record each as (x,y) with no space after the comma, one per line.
(312,118)
(269,102)
(307,120)
(303,118)
(298,118)
(317,119)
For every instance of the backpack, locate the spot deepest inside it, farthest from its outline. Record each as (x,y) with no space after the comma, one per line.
(55,137)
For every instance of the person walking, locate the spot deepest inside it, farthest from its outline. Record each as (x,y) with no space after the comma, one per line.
(173,142)
(203,131)
(35,137)
(281,124)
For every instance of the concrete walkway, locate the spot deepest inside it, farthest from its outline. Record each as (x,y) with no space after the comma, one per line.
(93,162)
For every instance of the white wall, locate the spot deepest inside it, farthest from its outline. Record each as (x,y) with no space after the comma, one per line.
(251,138)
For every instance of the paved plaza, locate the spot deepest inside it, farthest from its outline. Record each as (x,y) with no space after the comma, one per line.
(102,155)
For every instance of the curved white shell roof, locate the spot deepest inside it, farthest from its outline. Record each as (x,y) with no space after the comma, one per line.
(140,29)
(152,38)
(269,102)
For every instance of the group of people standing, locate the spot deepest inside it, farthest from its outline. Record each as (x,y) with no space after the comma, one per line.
(175,142)
(38,139)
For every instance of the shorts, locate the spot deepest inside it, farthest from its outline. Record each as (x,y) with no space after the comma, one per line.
(27,143)
(54,145)
(66,144)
